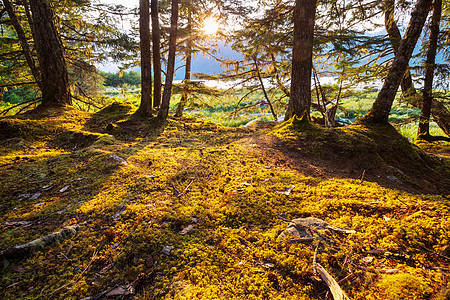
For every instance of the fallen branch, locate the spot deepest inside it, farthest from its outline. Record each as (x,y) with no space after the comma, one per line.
(434,252)
(376,271)
(336,291)
(20,251)
(186,189)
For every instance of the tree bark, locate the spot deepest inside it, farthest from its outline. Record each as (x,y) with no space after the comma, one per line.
(379,112)
(156,37)
(23,42)
(187,73)
(440,113)
(424,123)
(300,94)
(164,110)
(395,37)
(50,52)
(145,107)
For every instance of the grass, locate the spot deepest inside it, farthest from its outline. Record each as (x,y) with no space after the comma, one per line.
(226,183)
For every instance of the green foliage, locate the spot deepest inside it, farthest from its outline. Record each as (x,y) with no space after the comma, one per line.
(18,95)
(120,78)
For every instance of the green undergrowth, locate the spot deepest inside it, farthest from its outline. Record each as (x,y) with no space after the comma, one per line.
(133,186)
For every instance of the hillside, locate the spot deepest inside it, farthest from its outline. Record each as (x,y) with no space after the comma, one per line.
(194,210)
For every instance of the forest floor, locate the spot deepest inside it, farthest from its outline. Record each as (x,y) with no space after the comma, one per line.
(194,210)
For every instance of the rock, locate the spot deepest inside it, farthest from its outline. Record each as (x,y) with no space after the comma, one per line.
(186,230)
(122,290)
(394,179)
(167,249)
(119,159)
(307,227)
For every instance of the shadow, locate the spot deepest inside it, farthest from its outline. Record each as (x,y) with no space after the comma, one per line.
(377,154)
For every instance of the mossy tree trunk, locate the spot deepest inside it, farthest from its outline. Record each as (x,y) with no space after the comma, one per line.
(164,110)
(50,52)
(381,108)
(424,124)
(23,41)
(300,93)
(395,38)
(145,107)
(156,37)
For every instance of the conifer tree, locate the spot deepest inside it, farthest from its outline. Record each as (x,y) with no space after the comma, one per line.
(50,53)
(379,112)
(145,107)
(300,94)
(164,110)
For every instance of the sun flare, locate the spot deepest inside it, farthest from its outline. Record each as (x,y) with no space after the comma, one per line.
(210,26)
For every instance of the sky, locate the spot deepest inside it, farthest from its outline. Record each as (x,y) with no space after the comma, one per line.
(200,63)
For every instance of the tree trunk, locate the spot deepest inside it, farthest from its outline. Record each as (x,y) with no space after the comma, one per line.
(145,108)
(379,112)
(440,113)
(395,37)
(187,73)
(300,94)
(23,42)
(164,110)
(50,53)
(424,124)
(156,37)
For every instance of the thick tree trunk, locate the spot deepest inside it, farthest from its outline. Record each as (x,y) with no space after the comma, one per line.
(300,94)
(145,108)
(164,110)
(187,73)
(395,37)
(424,124)
(379,112)
(156,37)
(23,42)
(50,52)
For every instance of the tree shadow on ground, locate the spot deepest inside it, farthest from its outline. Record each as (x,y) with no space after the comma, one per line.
(378,154)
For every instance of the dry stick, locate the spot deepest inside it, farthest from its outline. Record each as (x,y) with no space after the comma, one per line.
(362,176)
(317,93)
(185,190)
(264,89)
(433,252)
(336,291)
(376,271)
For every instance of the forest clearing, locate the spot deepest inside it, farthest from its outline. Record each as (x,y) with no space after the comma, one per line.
(194,210)
(284,185)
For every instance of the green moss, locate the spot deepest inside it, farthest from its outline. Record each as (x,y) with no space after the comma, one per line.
(404,286)
(134,190)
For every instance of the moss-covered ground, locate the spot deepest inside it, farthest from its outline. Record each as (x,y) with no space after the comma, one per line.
(220,197)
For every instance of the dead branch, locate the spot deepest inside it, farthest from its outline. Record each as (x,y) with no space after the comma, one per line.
(21,251)
(336,291)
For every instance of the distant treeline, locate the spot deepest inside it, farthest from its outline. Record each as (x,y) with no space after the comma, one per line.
(120,78)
